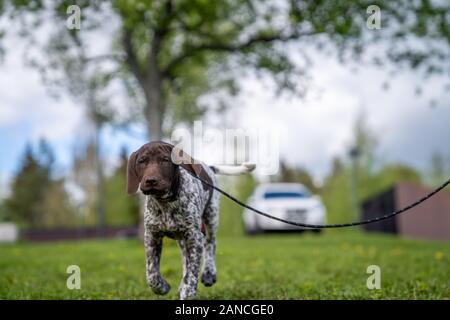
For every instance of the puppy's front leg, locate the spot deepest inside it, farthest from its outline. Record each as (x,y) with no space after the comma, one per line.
(193,250)
(153,248)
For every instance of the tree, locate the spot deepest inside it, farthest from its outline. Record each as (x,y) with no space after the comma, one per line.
(85,183)
(231,223)
(439,169)
(120,208)
(336,195)
(362,157)
(293,174)
(37,199)
(336,191)
(365,142)
(389,175)
(4,215)
(56,209)
(169,53)
(351,183)
(28,189)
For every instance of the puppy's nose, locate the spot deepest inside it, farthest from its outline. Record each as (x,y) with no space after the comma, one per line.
(151,181)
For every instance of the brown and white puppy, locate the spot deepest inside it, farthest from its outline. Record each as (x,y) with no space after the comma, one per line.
(181,207)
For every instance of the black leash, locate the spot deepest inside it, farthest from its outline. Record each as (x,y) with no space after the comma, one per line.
(323,226)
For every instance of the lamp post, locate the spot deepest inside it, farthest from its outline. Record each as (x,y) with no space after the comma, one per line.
(354,153)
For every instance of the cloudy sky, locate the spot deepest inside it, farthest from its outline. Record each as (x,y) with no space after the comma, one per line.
(311,130)
(408,128)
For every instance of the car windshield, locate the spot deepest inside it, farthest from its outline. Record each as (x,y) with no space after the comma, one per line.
(285,194)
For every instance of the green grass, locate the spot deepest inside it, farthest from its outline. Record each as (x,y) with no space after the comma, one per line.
(288,266)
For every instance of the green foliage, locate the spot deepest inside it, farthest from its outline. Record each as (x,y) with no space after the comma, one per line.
(231,223)
(330,266)
(28,189)
(296,175)
(37,199)
(85,176)
(172,53)
(336,195)
(370,175)
(121,209)
(4,215)
(55,208)
(336,192)
(439,169)
(386,178)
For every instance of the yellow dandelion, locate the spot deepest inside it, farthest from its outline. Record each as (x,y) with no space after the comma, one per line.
(438,255)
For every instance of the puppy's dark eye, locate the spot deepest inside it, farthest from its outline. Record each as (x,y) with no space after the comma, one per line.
(165,160)
(142,160)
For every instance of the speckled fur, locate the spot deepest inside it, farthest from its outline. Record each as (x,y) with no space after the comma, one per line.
(181,219)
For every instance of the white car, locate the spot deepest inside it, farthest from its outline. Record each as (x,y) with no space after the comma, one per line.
(289,201)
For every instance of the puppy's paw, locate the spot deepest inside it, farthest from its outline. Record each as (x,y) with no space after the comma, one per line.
(160,287)
(208,278)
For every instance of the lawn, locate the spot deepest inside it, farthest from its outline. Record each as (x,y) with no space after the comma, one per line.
(275,266)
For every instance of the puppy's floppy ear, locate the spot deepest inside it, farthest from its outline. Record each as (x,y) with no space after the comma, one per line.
(133,178)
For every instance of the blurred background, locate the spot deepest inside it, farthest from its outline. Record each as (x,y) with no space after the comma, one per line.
(75,103)
(358,97)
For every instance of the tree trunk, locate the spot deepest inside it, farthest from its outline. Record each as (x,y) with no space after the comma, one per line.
(154,114)
(154,110)
(150,80)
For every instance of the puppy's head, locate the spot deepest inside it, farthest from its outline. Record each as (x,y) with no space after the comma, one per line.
(152,170)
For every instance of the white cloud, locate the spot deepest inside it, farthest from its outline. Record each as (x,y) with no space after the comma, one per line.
(25,101)
(57,121)
(8,115)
